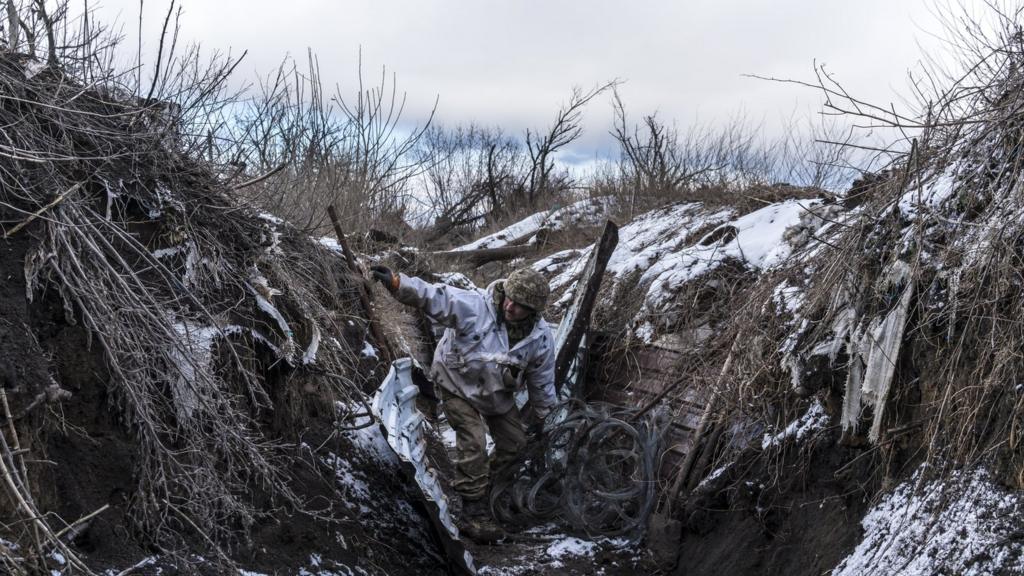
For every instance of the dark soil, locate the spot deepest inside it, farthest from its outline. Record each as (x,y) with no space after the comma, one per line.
(795,517)
(83,457)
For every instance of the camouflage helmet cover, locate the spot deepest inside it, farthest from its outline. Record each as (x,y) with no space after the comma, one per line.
(527,287)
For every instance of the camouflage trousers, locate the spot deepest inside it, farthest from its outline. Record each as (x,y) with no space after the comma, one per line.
(473,467)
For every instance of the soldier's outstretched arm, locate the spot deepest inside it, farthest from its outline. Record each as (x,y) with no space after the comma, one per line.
(447,305)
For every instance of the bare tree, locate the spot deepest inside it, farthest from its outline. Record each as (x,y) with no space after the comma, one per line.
(13,26)
(316,151)
(472,176)
(658,164)
(382,161)
(542,180)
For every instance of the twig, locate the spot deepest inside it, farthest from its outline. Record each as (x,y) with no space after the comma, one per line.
(261,178)
(199,530)
(657,399)
(81,520)
(140,564)
(37,213)
(33,516)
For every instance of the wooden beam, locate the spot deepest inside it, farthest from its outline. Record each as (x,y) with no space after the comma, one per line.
(577,319)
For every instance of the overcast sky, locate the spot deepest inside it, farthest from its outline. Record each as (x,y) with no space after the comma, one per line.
(512,62)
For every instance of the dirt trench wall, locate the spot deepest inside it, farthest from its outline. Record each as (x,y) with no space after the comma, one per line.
(796,513)
(79,456)
(83,456)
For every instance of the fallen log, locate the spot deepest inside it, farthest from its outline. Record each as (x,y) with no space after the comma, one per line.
(539,237)
(485,255)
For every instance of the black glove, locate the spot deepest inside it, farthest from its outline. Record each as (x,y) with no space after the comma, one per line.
(385,276)
(534,425)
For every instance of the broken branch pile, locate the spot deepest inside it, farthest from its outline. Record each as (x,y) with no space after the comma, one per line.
(218,327)
(907,310)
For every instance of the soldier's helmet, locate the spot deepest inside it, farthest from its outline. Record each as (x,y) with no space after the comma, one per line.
(527,287)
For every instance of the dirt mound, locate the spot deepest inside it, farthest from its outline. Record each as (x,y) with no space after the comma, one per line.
(178,368)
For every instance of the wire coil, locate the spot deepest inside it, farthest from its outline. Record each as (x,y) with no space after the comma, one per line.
(594,468)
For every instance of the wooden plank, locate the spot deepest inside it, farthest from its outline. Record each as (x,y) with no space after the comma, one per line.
(577,318)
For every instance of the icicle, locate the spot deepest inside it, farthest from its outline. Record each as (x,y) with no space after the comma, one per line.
(314,344)
(884,345)
(854,378)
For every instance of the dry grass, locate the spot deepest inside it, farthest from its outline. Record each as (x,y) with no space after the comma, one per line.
(207,316)
(955,397)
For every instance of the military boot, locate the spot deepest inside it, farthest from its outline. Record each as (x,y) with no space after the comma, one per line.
(476,522)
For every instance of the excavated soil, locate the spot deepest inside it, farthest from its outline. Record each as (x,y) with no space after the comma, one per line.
(82,457)
(799,516)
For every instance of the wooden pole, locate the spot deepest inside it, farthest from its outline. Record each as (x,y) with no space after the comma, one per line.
(365,297)
(698,434)
(37,213)
(578,315)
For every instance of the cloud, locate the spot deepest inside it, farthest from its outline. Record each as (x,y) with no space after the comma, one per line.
(513,63)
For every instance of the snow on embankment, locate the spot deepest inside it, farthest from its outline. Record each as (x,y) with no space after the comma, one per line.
(965,524)
(590,211)
(658,253)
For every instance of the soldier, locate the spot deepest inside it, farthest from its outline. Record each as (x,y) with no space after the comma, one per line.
(494,341)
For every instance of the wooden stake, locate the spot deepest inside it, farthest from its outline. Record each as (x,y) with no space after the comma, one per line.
(578,315)
(698,434)
(365,297)
(81,521)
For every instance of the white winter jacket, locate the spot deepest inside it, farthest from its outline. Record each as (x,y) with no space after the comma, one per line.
(473,353)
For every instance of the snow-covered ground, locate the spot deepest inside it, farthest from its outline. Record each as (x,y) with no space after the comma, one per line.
(590,211)
(801,429)
(966,525)
(658,253)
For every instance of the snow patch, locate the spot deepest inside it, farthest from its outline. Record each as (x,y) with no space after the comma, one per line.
(756,239)
(168,252)
(368,351)
(965,525)
(788,298)
(813,420)
(572,546)
(330,243)
(927,197)
(589,211)
(456,279)
(58,558)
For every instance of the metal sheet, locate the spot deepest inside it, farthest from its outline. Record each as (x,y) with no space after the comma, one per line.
(394,405)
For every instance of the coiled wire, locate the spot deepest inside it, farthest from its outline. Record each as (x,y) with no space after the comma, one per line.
(595,468)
